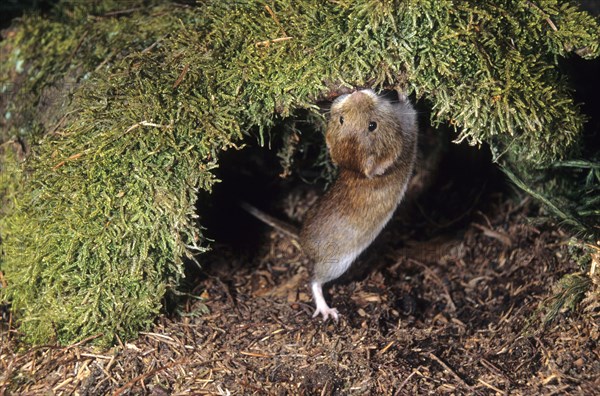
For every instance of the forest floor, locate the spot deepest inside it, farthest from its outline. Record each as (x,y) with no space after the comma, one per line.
(456,312)
(450,300)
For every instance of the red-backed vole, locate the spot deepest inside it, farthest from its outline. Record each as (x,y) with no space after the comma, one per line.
(373,142)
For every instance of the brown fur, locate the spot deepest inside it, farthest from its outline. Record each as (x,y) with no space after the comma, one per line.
(374,168)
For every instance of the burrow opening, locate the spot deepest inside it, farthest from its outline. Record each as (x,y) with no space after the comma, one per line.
(452,184)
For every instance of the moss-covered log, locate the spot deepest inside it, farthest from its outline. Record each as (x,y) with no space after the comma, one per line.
(123,110)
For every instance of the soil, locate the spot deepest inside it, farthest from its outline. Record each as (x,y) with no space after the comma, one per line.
(437,306)
(450,300)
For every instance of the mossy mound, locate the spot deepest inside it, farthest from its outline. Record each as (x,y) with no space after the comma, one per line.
(125,111)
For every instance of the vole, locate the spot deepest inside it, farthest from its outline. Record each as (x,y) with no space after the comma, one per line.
(373,142)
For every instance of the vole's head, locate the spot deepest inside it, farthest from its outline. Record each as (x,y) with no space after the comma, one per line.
(366,133)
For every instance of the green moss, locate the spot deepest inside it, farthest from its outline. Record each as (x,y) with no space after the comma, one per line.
(143,102)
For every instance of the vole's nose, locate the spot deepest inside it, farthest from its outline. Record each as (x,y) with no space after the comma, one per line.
(357,98)
(360,103)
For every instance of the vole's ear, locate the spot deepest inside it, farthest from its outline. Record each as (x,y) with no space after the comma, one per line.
(374,167)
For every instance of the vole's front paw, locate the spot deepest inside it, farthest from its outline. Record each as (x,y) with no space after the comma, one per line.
(327,312)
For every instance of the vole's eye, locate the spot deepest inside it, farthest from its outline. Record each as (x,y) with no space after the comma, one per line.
(341,120)
(372,126)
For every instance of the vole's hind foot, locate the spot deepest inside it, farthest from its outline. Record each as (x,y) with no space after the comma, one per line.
(322,307)
(327,312)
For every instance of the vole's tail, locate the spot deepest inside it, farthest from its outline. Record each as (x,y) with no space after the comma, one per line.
(279,225)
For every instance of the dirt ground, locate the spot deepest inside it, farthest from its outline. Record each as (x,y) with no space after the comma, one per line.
(454,312)
(448,301)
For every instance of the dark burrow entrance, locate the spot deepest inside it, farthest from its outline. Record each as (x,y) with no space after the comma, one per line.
(453,184)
